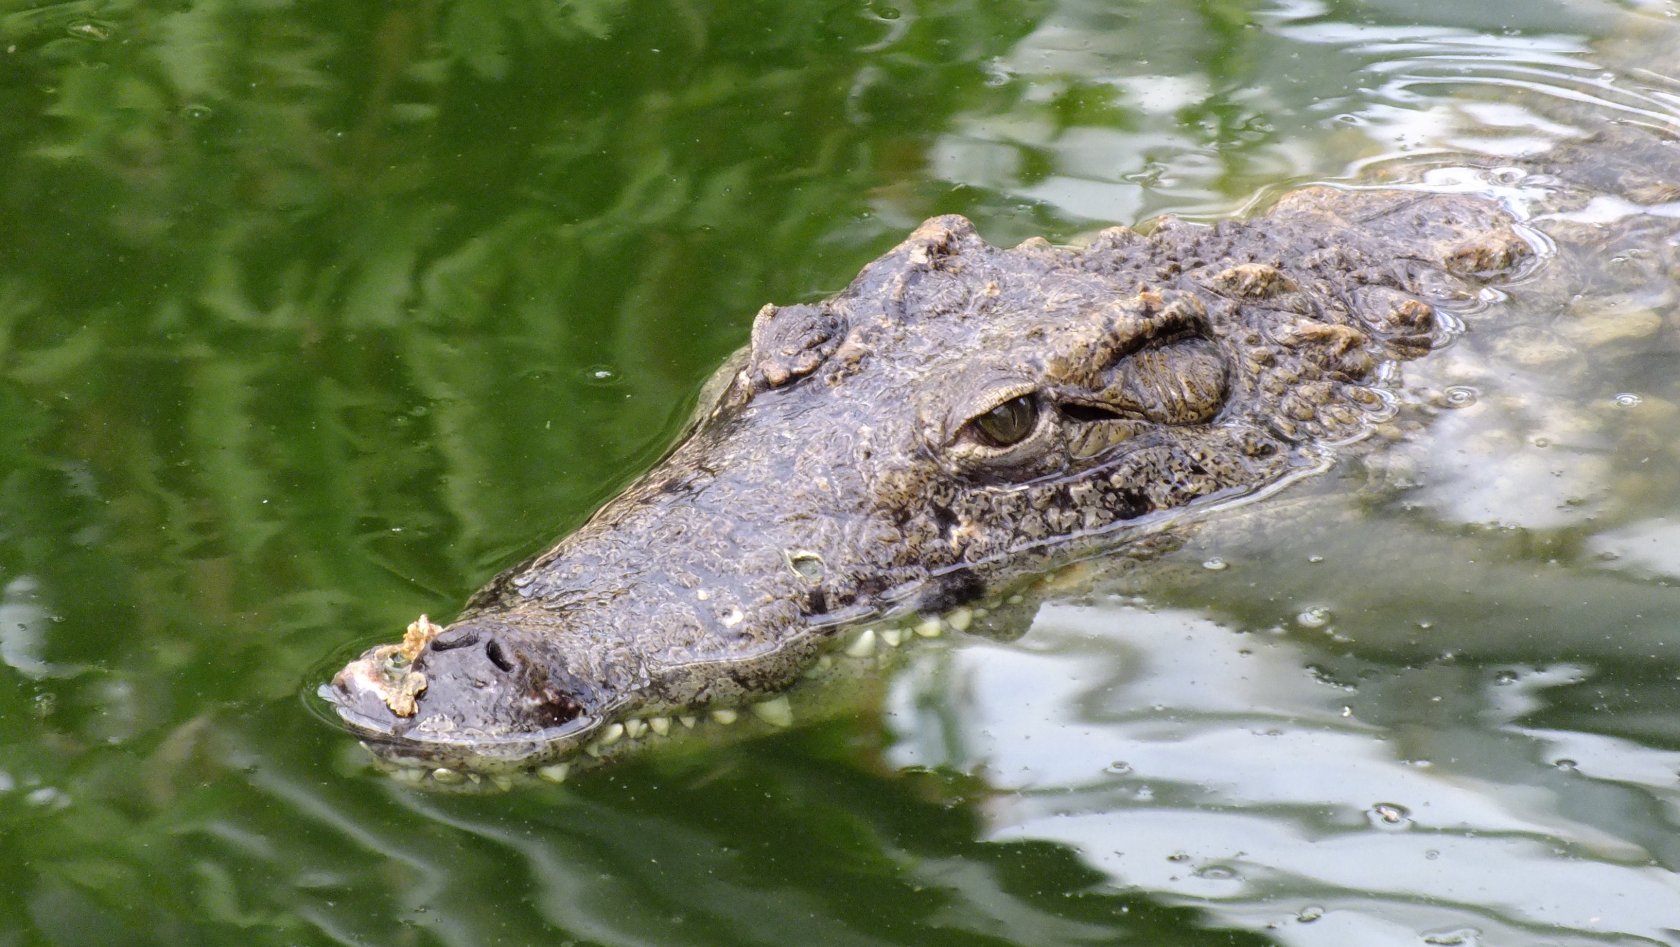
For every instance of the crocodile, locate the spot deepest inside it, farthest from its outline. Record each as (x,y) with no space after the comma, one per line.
(960,418)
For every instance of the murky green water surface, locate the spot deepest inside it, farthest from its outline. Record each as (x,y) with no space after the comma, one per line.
(313,316)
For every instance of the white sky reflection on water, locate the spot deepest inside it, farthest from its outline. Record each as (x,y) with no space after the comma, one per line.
(1211,766)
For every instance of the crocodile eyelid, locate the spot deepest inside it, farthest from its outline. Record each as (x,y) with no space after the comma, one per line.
(1002,397)
(1164,320)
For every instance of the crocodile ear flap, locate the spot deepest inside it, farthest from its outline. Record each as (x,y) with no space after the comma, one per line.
(789,343)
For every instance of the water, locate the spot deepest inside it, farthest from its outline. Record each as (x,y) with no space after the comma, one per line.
(312,317)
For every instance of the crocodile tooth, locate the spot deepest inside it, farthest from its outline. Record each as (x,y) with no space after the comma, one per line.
(474,777)
(863,645)
(930,628)
(960,618)
(776,712)
(725,715)
(502,781)
(892,636)
(555,773)
(408,774)
(593,749)
(659,725)
(686,720)
(444,774)
(634,728)
(611,735)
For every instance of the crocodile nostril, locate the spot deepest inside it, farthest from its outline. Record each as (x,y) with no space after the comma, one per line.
(450,640)
(499,657)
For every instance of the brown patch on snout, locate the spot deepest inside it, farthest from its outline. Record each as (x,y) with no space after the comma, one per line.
(790,342)
(1337,347)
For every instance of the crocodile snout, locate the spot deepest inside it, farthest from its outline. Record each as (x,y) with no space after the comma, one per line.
(466,688)
(500,679)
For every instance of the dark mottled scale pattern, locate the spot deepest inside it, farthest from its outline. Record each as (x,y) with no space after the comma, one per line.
(1162,367)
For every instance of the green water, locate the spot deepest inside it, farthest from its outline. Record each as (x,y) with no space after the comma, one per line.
(313,316)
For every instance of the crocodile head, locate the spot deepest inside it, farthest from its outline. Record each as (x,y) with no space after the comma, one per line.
(959,416)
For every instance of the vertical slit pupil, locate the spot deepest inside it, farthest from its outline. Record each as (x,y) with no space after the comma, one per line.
(1008,423)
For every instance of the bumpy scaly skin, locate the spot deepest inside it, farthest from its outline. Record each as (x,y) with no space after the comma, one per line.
(842,475)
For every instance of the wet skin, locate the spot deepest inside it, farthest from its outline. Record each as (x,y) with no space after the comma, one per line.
(959,417)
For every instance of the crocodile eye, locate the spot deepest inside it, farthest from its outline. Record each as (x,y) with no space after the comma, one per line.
(1008,423)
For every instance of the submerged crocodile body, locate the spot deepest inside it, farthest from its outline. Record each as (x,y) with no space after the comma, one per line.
(959,417)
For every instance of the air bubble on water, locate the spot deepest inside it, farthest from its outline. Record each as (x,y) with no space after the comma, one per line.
(1309,914)
(1462,937)
(1216,873)
(1506,677)
(600,375)
(1628,399)
(1566,764)
(1459,396)
(92,30)
(1215,564)
(1119,768)
(1313,618)
(197,113)
(1389,815)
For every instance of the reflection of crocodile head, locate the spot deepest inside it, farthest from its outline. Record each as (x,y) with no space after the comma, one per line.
(957,417)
